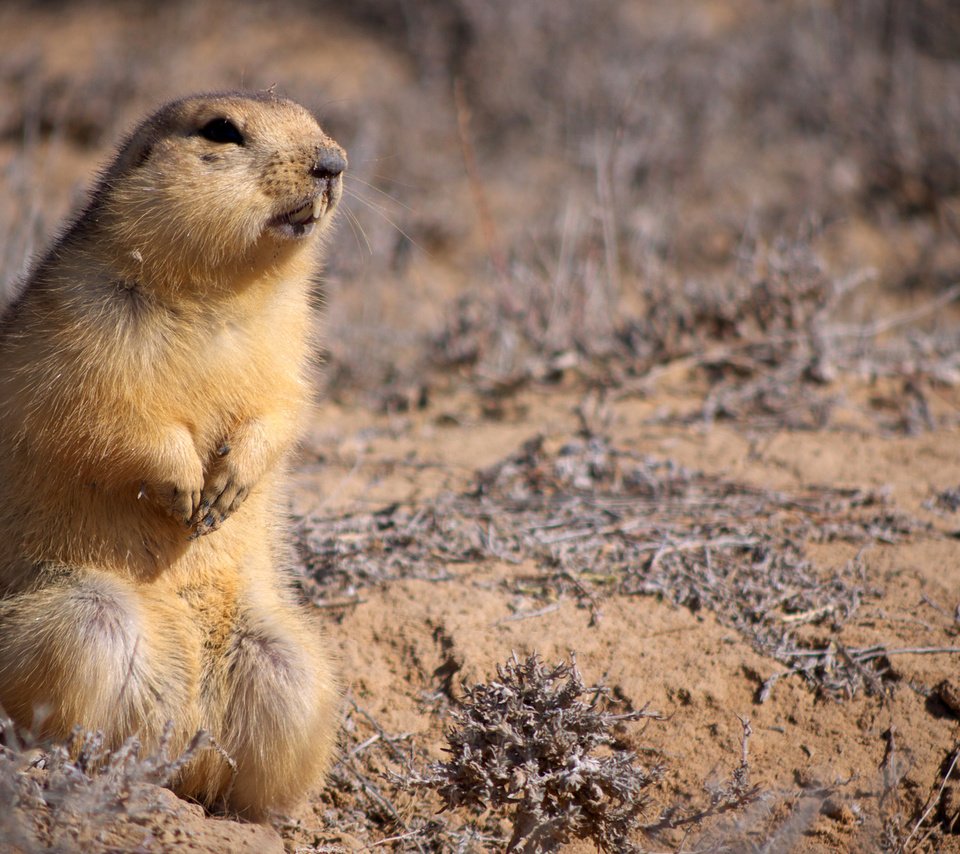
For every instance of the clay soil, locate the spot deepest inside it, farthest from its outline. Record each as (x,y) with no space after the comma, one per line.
(639,352)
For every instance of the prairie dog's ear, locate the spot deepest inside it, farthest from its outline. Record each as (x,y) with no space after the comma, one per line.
(139,157)
(135,151)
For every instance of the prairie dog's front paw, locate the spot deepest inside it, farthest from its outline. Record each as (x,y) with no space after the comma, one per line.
(174,481)
(179,498)
(224,490)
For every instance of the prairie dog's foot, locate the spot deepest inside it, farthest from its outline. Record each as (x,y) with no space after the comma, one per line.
(86,649)
(280,719)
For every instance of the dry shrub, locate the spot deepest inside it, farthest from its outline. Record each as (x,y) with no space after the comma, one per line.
(372,793)
(536,759)
(536,743)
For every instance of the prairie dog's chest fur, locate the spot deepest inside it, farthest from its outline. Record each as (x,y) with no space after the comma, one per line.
(92,368)
(210,361)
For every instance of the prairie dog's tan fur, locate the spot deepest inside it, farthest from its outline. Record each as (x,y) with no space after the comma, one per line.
(153,378)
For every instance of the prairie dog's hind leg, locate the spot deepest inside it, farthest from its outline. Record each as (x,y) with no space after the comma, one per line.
(84,650)
(280,696)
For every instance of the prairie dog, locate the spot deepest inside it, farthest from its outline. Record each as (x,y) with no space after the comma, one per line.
(153,379)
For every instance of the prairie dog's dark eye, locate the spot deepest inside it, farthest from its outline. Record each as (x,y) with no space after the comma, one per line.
(222,130)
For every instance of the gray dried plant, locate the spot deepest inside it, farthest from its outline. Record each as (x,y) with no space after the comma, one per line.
(537,743)
(57,794)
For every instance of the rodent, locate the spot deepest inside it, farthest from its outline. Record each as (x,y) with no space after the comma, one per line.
(154,377)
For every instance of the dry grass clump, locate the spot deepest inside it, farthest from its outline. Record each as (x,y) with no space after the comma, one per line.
(60,796)
(946,500)
(530,742)
(761,338)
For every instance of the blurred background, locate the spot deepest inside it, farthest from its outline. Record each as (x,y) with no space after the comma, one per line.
(549,186)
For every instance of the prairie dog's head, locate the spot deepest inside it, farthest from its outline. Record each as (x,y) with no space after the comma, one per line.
(215,183)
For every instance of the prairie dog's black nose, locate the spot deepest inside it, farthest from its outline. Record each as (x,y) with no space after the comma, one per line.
(330,162)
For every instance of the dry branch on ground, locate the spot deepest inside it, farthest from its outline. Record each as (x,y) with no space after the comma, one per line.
(598,520)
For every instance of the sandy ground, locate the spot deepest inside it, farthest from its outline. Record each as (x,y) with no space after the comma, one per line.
(864,771)
(701,675)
